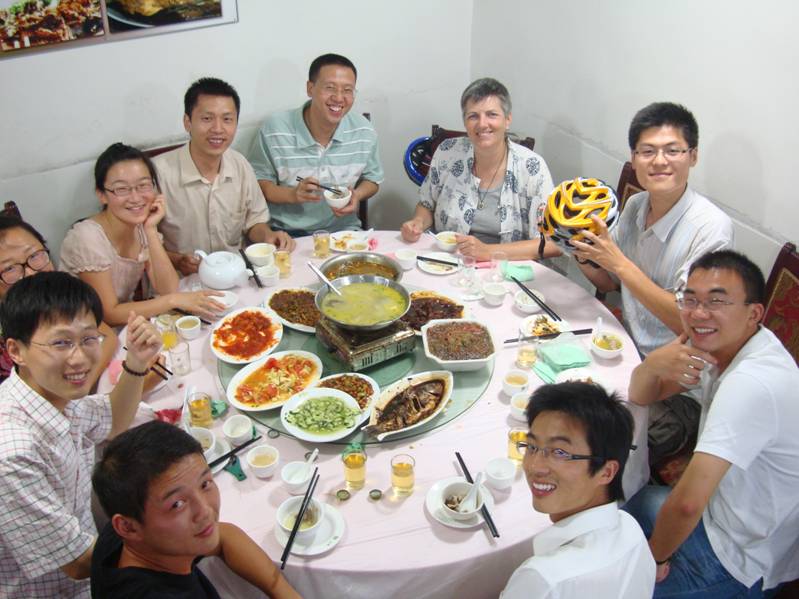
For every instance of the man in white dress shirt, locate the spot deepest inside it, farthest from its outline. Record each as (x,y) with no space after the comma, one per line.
(574,457)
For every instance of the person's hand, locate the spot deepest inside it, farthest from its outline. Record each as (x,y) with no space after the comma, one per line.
(157,212)
(469,245)
(602,250)
(412,230)
(281,240)
(307,190)
(188,264)
(143,342)
(350,207)
(151,379)
(678,362)
(201,303)
(662,571)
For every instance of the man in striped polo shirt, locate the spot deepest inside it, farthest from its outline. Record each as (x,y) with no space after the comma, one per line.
(322,143)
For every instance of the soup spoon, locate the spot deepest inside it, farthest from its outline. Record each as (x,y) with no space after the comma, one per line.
(470,501)
(323,278)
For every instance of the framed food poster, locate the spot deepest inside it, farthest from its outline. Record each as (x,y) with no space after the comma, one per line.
(31,25)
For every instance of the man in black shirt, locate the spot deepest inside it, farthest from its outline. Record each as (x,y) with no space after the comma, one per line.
(155,485)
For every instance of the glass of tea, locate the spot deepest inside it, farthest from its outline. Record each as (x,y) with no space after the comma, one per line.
(321,243)
(526,352)
(402,477)
(283,262)
(200,409)
(515,435)
(354,468)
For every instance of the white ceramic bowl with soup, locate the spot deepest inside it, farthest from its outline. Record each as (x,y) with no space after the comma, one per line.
(459,490)
(525,303)
(207,439)
(518,405)
(406,258)
(338,201)
(494,293)
(238,429)
(515,381)
(446,241)
(287,515)
(189,327)
(261,254)
(263,460)
(607,345)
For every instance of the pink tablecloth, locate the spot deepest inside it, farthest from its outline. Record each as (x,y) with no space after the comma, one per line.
(393,548)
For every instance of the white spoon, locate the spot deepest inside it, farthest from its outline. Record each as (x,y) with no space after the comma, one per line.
(470,501)
(597,328)
(306,468)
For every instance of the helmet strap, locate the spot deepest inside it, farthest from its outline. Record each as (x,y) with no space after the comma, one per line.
(541,244)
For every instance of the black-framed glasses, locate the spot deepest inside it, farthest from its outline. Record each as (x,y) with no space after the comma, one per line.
(67,346)
(558,455)
(14,272)
(669,152)
(125,191)
(712,304)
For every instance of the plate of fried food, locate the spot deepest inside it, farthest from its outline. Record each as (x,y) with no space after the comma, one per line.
(246,335)
(349,241)
(295,308)
(320,415)
(541,324)
(273,380)
(363,389)
(429,305)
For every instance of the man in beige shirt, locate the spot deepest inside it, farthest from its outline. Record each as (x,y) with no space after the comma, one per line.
(213,198)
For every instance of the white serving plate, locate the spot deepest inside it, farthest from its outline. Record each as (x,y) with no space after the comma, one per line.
(242,374)
(295,401)
(367,411)
(346,237)
(458,365)
(437,269)
(526,326)
(278,334)
(303,328)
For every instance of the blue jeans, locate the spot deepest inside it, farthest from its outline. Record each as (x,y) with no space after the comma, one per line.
(696,572)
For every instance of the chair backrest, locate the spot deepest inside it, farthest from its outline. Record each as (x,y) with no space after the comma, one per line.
(782,299)
(11,210)
(152,152)
(439,134)
(628,185)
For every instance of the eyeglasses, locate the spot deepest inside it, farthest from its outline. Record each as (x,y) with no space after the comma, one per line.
(14,272)
(333,90)
(559,455)
(124,191)
(712,304)
(669,153)
(67,346)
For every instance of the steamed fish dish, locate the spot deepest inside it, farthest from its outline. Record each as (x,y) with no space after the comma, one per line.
(410,403)
(364,304)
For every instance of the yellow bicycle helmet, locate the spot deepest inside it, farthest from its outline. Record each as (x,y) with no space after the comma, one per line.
(566,214)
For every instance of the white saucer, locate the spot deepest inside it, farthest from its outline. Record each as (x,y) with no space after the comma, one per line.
(222,447)
(438,269)
(331,529)
(435,504)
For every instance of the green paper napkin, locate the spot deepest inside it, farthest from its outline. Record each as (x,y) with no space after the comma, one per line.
(523,272)
(561,356)
(544,372)
(218,407)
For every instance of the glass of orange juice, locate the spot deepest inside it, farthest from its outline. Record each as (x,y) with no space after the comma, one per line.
(165,323)
(402,476)
(354,467)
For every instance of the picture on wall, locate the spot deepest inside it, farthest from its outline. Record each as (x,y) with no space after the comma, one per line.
(132,15)
(31,23)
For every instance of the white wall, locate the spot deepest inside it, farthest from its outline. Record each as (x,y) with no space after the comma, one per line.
(579,70)
(60,109)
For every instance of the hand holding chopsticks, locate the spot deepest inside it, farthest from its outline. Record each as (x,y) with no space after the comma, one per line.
(536,299)
(332,190)
(303,506)
(484,510)
(155,367)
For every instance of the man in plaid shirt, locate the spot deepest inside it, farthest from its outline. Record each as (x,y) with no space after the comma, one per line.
(49,429)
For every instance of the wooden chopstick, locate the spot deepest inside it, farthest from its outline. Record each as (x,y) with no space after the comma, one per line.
(436,260)
(251,267)
(185,313)
(153,369)
(233,452)
(333,190)
(303,506)
(535,298)
(483,510)
(549,335)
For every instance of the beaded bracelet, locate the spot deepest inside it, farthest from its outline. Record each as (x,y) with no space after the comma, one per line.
(127,369)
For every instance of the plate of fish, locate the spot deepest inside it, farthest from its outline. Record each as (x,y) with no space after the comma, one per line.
(246,335)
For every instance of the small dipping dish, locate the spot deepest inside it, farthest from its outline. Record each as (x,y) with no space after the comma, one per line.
(494,293)
(189,327)
(207,439)
(295,476)
(287,513)
(515,381)
(406,258)
(500,473)
(518,405)
(238,429)
(445,240)
(263,460)
(227,299)
(606,345)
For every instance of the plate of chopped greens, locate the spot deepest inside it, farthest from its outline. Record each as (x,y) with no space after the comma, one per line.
(321,415)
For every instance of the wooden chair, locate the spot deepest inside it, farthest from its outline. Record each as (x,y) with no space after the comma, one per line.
(11,210)
(782,299)
(628,185)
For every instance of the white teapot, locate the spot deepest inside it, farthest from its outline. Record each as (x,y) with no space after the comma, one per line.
(222,270)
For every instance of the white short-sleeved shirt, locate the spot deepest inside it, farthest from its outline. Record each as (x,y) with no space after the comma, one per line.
(664,252)
(752,520)
(600,552)
(46,460)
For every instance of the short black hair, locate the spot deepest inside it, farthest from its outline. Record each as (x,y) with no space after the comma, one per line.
(607,422)
(209,86)
(750,273)
(116,153)
(132,460)
(328,59)
(659,114)
(9,222)
(46,297)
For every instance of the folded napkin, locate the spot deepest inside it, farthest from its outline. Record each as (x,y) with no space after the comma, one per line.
(554,358)
(544,372)
(486,264)
(523,272)
(218,407)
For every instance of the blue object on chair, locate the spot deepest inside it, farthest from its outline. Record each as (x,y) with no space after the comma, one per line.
(417,159)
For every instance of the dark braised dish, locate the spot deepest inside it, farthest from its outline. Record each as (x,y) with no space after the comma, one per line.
(427,306)
(459,341)
(296,305)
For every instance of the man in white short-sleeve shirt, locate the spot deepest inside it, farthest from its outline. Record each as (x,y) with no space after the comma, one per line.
(574,457)
(736,508)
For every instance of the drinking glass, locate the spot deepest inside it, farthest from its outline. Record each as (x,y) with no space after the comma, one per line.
(526,352)
(283,262)
(354,468)
(181,358)
(468,271)
(402,477)
(200,409)
(514,435)
(498,259)
(165,323)
(321,244)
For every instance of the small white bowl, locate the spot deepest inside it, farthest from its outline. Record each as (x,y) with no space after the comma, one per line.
(189,327)
(445,240)
(460,488)
(207,439)
(357,245)
(515,381)
(295,486)
(518,405)
(261,254)
(238,429)
(227,299)
(525,303)
(255,458)
(406,258)
(500,473)
(291,507)
(269,275)
(337,201)
(494,293)
(607,354)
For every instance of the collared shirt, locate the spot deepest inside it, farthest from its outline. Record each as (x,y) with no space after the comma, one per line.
(752,519)
(284,149)
(451,192)
(205,215)
(664,252)
(46,460)
(600,552)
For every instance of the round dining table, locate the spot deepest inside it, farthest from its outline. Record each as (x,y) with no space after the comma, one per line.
(393,547)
